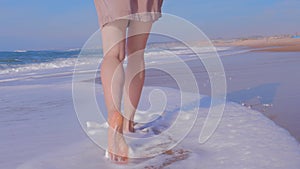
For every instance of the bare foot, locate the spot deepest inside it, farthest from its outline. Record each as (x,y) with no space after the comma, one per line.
(117,146)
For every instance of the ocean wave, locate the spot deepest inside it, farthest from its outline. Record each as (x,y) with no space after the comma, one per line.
(73,49)
(64,59)
(56,64)
(20,51)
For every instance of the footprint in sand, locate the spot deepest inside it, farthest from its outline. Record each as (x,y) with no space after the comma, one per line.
(170,157)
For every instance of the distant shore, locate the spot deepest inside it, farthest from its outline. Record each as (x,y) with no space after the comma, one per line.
(267,44)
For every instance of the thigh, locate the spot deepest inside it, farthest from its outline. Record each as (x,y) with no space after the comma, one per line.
(138,33)
(114,36)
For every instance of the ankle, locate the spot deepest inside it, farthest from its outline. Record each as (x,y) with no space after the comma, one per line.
(128,126)
(115,119)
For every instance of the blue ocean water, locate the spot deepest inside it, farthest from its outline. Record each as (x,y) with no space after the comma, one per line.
(28,57)
(19,62)
(9,60)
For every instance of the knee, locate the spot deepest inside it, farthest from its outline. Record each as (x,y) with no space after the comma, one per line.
(135,49)
(115,53)
(121,56)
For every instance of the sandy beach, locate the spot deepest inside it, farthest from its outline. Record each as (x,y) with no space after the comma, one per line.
(263,76)
(40,123)
(284,109)
(267,44)
(221,87)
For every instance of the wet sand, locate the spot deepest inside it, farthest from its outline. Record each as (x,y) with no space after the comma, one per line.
(265,79)
(282,68)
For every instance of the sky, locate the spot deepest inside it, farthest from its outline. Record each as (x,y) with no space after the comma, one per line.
(58,24)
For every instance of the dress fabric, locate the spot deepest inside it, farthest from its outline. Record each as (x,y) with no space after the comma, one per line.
(139,10)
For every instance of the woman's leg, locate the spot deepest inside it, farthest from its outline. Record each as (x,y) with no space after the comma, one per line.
(138,33)
(112,77)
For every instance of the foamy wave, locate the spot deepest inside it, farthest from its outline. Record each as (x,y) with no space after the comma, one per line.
(20,51)
(185,52)
(58,63)
(74,49)
(181,50)
(152,56)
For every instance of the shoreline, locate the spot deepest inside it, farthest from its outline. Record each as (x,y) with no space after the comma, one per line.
(266,72)
(276,52)
(40,111)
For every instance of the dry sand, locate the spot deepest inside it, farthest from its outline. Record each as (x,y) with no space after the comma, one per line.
(268,44)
